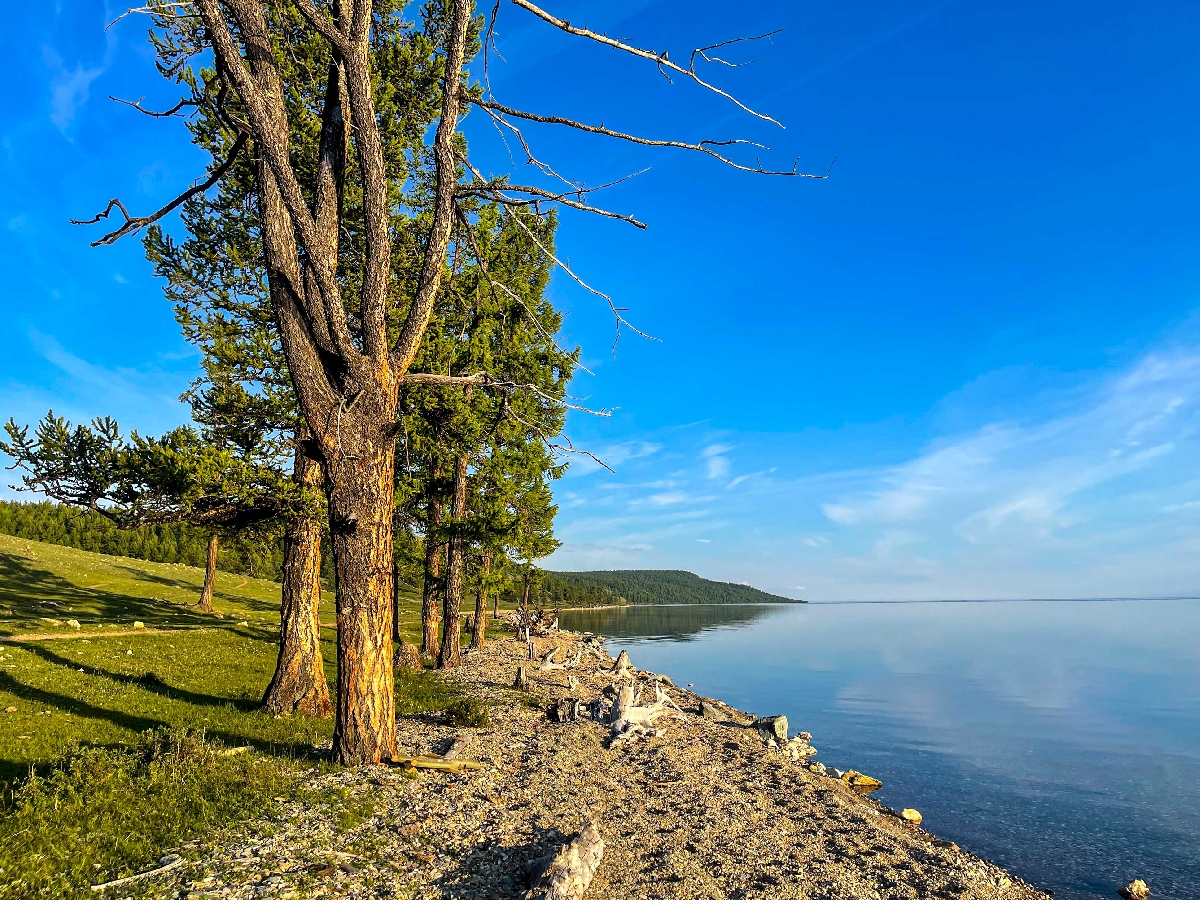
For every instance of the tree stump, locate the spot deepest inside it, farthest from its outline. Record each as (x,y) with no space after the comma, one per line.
(522,681)
(408,657)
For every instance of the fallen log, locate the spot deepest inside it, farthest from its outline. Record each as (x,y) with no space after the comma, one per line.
(438,763)
(569,873)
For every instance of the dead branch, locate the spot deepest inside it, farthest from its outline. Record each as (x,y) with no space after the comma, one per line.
(660,59)
(174,110)
(137,223)
(172,863)
(494,191)
(704,147)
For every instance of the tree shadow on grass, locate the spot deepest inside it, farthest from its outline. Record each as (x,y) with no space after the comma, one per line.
(182,584)
(148,681)
(34,594)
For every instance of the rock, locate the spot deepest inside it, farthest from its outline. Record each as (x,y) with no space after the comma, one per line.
(139,624)
(74,623)
(862,784)
(10,709)
(834,772)
(804,736)
(711,711)
(775,727)
(817,767)
(911,815)
(1135,890)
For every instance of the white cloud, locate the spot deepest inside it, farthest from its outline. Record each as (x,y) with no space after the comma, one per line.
(69,86)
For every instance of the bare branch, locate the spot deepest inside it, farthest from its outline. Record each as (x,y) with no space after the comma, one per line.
(492,191)
(659,59)
(483,379)
(153,9)
(701,147)
(136,223)
(174,110)
(616,310)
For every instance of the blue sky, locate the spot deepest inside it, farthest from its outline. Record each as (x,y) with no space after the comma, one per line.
(965,365)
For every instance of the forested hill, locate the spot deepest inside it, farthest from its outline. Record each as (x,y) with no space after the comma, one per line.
(643,586)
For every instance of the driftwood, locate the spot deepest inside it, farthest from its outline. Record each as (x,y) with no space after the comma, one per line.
(522,680)
(566,710)
(548,664)
(622,667)
(172,863)
(569,873)
(629,720)
(460,744)
(439,763)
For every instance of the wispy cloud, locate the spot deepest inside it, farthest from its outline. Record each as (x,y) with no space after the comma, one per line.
(1091,493)
(70,84)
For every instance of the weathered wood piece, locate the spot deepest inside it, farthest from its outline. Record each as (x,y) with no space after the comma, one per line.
(460,744)
(171,863)
(622,667)
(570,872)
(408,657)
(566,710)
(522,680)
(630,720)
(439,763)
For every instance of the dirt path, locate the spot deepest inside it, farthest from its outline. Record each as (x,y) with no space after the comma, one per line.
(703,809)
(75,635)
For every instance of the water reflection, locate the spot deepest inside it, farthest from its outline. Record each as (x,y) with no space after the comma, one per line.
(664,623)
(1060,739)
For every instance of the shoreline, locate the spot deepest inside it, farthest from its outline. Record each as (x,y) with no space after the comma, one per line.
(699,807)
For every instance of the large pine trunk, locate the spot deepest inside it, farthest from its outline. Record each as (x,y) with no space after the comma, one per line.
(299,684)
(451,651)
(210,577)
(478,634)
(360,493)
(430,615)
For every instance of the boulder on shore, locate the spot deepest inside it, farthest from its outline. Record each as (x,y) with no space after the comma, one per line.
(773,727)
(1135,890)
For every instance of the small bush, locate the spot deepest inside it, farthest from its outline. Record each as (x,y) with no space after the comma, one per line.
(468,712)
(100,814)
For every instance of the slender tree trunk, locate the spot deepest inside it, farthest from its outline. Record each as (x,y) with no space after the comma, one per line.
(525,594)
(451,651)
(210,577)
(478,635)
(299,684)
(360,490)
(433,552)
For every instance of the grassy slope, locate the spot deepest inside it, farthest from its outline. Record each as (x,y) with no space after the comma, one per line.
(144,784)
(105,682)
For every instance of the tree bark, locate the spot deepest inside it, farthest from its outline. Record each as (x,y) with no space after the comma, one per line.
(210,577)
(451,651)
(360,491)
(430,616)
(299,684)
(479,632)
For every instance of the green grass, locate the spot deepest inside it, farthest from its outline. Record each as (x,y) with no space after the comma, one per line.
(104,685)
(103,814)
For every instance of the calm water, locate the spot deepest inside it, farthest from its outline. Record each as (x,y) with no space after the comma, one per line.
(1059,739)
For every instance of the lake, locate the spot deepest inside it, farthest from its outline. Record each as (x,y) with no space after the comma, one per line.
(1060,739)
